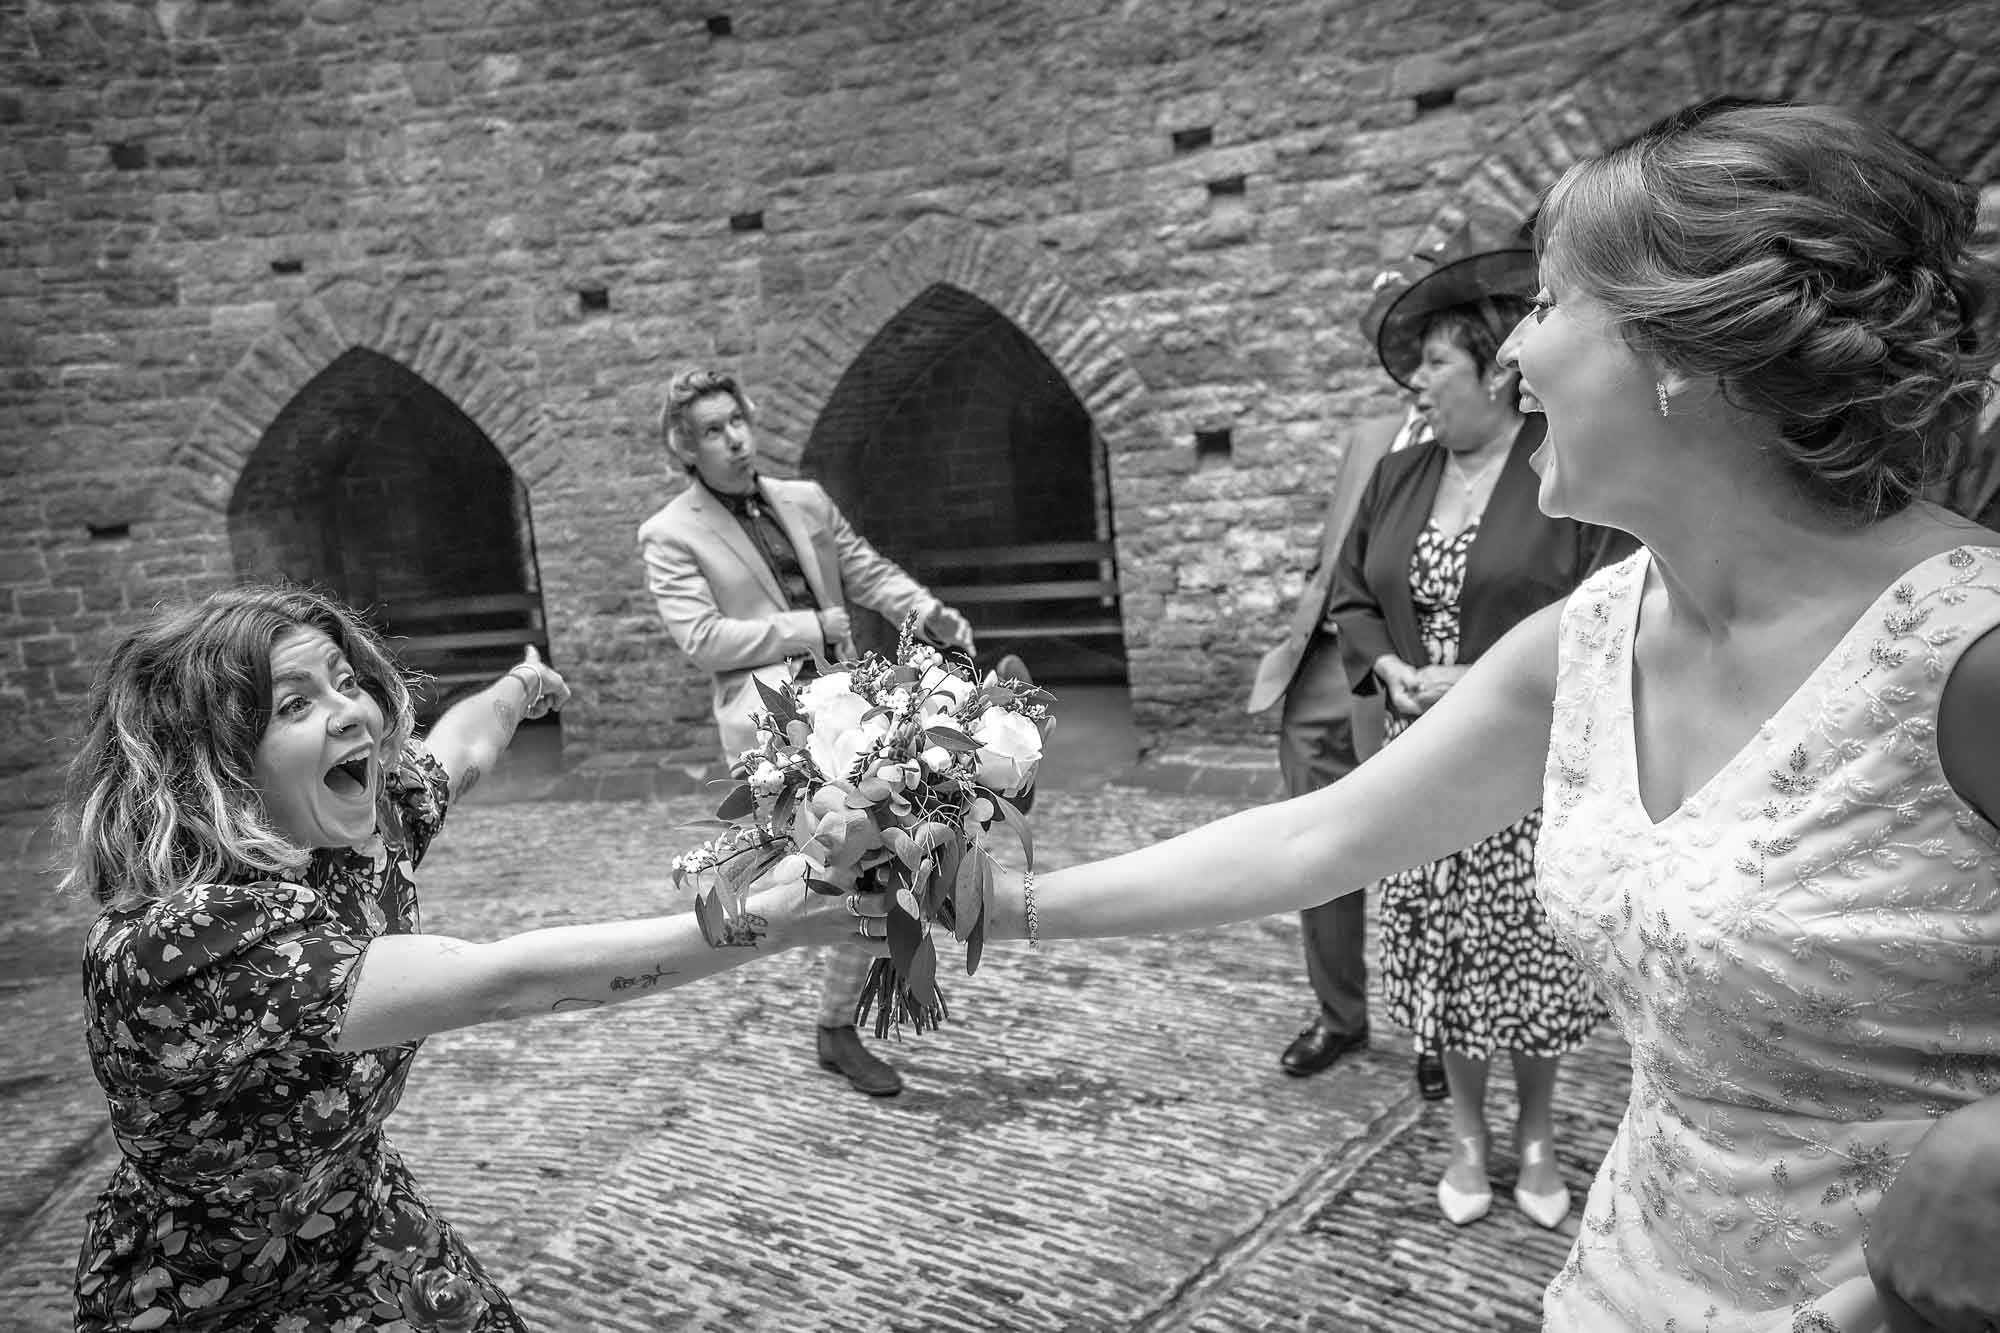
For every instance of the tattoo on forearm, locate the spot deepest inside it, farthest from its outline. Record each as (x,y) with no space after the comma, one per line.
(508,713)
(571,1004)
(644,981)
(467,781)
(744,931)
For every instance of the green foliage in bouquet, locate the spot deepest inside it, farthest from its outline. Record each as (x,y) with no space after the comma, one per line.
(885,775)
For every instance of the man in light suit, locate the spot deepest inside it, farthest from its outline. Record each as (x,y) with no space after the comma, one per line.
(1317,743)
(753,575)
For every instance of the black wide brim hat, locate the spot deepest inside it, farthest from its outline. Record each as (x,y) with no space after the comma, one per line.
(1407,295)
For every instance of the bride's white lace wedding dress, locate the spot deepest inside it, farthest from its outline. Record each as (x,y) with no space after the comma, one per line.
(1805,956)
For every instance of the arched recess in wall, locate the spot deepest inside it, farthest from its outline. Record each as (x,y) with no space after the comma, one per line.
(337,462)
(1940,97)
(960,401)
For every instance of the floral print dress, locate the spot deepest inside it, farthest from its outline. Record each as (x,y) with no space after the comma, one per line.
(1469,962)
(256,1190)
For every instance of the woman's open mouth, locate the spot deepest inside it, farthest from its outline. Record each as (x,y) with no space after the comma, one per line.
(352,776)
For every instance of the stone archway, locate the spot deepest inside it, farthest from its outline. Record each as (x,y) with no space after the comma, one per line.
(1003,273)
(307,339)
(955,340)
(1941,98)
(345,453)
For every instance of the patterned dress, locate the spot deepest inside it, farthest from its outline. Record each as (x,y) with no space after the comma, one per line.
(1805,956)
(1469,964)
(256,1190)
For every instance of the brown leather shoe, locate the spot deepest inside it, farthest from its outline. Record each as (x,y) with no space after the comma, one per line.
(1318,1047)
(841,1051)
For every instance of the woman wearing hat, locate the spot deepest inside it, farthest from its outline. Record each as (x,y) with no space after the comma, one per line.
(1448,552)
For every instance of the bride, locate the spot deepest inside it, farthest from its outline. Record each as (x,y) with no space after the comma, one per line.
(1763,744)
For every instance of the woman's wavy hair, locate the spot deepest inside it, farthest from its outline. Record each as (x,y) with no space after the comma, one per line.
(1816,266)
(160,795)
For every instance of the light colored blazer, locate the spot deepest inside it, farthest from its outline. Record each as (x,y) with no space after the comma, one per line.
(724,606)
(1279,668)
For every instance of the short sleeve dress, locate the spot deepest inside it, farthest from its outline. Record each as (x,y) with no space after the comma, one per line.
(257,1190)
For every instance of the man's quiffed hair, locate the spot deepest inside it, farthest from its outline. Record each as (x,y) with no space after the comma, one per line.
(687,387)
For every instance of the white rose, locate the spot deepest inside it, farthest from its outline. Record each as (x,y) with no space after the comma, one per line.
(817,692)
(944,691)
(1009,748)
(839,736)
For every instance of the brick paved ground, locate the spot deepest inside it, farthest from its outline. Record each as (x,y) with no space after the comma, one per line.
(1100,1140)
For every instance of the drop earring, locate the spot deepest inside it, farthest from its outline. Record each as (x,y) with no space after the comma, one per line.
(1661,387)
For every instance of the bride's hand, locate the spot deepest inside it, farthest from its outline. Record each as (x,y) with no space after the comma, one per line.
(796,916)
(1932,1238)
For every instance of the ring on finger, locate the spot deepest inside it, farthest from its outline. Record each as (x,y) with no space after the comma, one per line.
(854,904)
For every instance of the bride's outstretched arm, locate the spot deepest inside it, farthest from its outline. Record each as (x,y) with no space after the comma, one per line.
(1469,767)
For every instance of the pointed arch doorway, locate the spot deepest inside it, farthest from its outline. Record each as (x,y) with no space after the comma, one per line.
(372,484)
(959,451)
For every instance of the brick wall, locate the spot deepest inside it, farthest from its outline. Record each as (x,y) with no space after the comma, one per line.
(540,210)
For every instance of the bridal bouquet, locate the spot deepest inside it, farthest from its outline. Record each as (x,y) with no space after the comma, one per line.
(885,776)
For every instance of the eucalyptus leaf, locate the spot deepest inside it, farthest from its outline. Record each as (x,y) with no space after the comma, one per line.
(903,845)
(975,945)
(740,803)
(778,703)
(948,857)
(968,893)
(951,738)
(707,826)
(708,915)
(740,872)
(1018,822)
(905,934)
(921,980)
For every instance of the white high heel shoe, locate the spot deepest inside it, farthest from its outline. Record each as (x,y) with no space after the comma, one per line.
(1463,1207)
(1546,1210)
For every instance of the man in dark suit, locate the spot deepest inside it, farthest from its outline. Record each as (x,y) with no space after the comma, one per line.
(752,576)
(1318,743)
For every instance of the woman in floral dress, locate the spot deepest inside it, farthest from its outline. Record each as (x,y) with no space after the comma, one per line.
(1448,551)
(247,807)
(1763,744)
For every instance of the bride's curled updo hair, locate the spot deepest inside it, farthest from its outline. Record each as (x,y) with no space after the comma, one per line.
(1816,266)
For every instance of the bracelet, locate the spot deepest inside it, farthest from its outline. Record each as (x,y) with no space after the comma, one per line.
(531,684)
(1034,919)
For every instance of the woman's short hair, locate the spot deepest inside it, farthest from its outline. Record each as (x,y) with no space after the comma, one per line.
(161,793)
(686,389)
(1479,329)
(1816,266)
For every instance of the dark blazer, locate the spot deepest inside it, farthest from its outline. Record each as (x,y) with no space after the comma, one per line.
(1521,560)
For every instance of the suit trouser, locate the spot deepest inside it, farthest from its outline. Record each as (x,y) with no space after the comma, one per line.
(1316,747)
(844,969)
